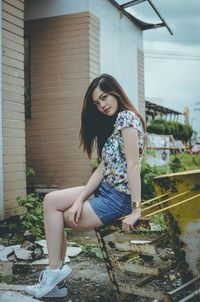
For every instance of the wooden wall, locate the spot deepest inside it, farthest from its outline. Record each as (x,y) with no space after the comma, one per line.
(13,102)
(64,59)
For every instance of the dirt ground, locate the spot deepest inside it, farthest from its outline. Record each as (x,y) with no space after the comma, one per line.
(89,281)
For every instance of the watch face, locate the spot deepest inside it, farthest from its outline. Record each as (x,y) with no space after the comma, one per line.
(136,204)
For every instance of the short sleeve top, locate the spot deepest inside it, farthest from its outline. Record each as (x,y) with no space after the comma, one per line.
(113,155)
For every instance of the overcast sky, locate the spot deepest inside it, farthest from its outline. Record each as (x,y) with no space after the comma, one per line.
(172,63)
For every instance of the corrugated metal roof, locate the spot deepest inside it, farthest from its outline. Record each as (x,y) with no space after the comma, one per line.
(150,107)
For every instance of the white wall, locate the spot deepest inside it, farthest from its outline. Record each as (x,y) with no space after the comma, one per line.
(119,41)
(37,9)
(1,125)
(119,37)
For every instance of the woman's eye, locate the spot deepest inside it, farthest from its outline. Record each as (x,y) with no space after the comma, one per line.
(104,97)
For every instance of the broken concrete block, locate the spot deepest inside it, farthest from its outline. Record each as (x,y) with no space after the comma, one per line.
(15,287)
(73,251)
(7,296)
(22,254)
(67,259)
(27,245)
(7,251)
(43,243)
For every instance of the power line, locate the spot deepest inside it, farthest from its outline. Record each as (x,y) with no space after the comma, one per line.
(164,55)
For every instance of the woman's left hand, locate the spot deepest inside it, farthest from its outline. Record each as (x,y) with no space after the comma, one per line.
(129,221)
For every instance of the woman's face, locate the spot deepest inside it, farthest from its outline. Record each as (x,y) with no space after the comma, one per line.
(105,103)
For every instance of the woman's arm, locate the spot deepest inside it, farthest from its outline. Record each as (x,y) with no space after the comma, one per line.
(131,148)
(92,184)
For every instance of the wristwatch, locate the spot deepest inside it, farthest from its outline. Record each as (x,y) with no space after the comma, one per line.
(136,204)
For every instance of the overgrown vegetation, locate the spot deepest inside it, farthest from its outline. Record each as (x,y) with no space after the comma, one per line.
(147,175)
(33,218)
(187,161)
(177,163)
(179,131)
(159,220)
(92,249)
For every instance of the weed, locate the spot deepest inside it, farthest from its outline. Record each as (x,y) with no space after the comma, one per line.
(159,220)
(33,218)
(91,249)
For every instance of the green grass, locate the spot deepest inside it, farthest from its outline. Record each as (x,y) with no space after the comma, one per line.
(187,162)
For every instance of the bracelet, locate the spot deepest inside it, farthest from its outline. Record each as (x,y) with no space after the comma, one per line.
(136,204)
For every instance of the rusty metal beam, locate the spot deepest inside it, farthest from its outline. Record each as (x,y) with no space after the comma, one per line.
(172,206)
(155,198)
(183,286)
(164,201)
(192,295)
(144,292)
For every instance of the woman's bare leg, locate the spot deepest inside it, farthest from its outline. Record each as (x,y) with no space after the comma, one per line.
(55,203)
(64,243)
(64,249)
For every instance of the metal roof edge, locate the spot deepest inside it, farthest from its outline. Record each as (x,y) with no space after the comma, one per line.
(141,24)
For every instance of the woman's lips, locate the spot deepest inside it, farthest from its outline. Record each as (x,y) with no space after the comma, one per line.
(107,110)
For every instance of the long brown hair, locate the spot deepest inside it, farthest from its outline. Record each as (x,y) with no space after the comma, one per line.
(96,127)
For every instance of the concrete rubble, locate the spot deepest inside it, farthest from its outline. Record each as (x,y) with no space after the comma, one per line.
(28,256)
(7,296)
(31,252)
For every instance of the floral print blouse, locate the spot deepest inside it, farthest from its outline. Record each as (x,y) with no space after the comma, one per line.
(115,165)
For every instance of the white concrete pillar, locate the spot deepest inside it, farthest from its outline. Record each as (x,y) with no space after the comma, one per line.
(1,124)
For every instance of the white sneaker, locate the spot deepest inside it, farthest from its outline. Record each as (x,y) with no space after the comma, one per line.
(59,291)
(49,278)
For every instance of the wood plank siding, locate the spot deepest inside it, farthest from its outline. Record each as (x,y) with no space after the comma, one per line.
(13,103)
(141,95)
(64,59)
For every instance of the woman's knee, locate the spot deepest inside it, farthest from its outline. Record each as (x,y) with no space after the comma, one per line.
(49,200)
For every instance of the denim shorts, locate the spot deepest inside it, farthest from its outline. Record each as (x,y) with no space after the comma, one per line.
(110,204)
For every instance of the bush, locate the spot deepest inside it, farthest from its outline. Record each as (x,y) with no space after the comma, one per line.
(179,131)
(175,165)
(33,218)
(147,175)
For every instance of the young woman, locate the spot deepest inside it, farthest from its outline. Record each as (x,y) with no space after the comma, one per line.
(110,124)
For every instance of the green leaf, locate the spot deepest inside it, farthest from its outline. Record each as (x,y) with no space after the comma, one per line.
(29,205)
(97,251)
